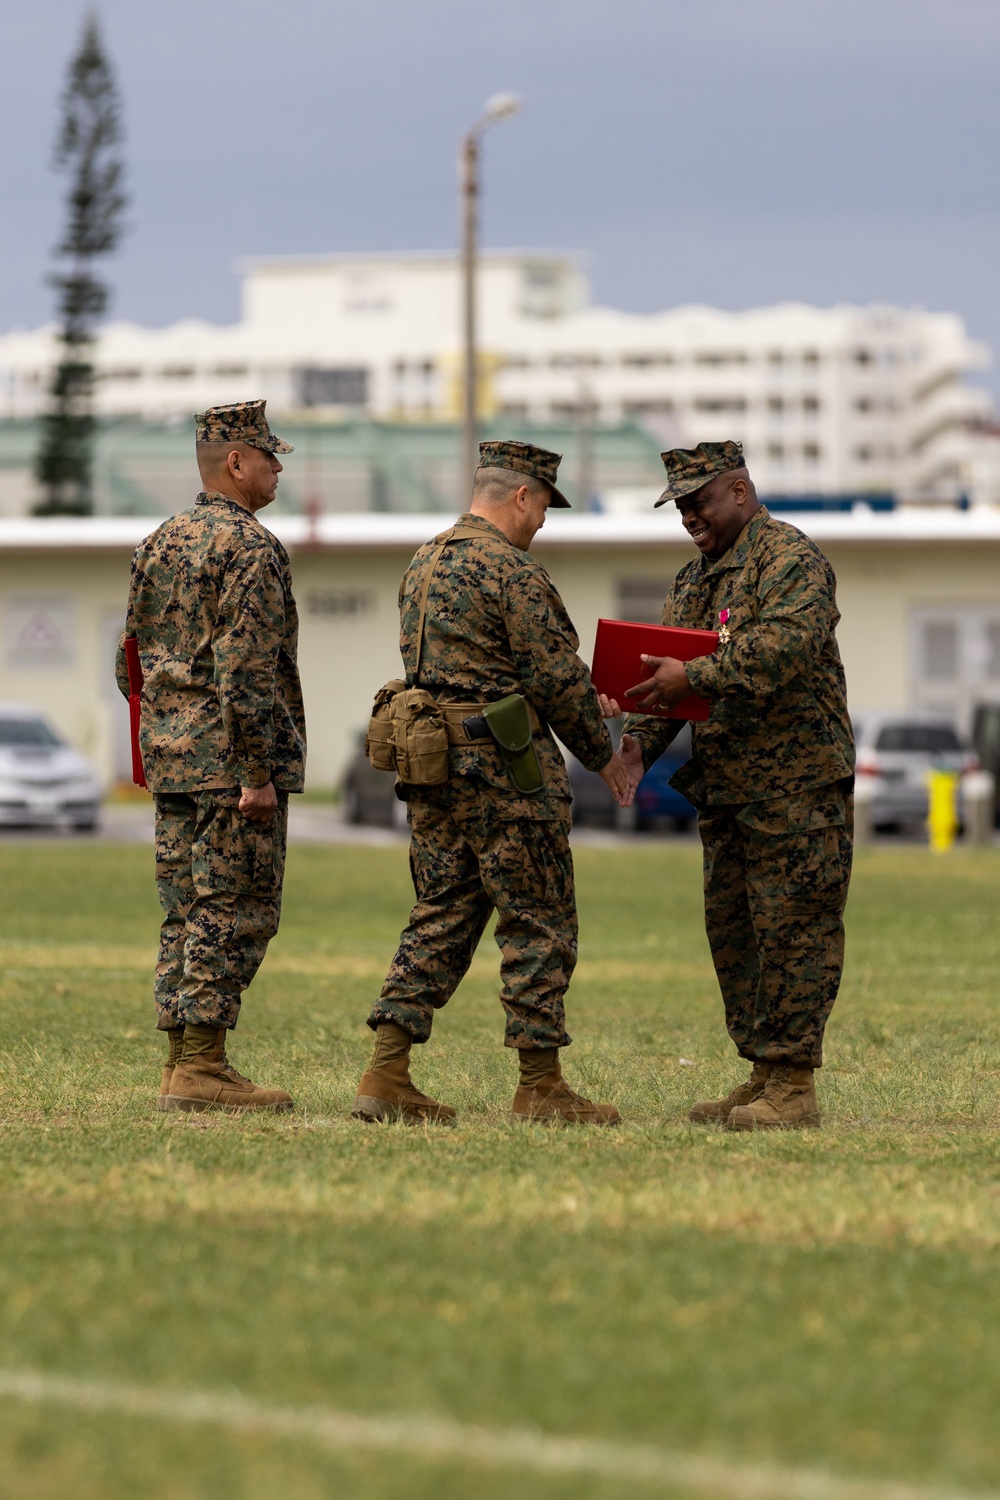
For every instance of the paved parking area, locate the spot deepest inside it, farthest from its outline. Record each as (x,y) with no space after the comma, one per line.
(308,823)
(322,823)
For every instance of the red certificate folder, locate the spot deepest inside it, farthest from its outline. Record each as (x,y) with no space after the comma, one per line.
(134,704)
(618,650)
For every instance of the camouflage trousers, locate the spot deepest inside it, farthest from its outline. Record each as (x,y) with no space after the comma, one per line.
(219,880)
(776,878)
(468,860)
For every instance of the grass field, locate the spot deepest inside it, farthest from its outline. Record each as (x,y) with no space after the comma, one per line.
(826,1300)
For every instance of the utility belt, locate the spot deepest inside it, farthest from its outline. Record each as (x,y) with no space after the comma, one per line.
(411,733)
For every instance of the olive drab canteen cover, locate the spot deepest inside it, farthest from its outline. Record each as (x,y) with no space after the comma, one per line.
(509,723)
(618,664)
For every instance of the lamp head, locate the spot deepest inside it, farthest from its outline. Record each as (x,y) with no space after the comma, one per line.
(501,106)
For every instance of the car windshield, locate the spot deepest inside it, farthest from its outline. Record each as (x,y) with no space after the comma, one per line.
(31,732)
(932,739)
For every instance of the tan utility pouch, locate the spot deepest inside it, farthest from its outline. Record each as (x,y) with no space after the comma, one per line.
(379,746)
(420,738)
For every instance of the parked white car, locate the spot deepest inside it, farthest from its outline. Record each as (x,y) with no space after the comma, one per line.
(896,753)
(43,780)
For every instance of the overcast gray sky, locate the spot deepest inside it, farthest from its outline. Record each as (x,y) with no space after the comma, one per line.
(734,152)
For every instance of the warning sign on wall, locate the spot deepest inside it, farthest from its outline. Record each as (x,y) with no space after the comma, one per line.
(41,629)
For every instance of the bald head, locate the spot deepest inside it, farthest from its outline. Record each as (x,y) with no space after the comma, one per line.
(498,486)
(213,458)
(240,471)
(515,503)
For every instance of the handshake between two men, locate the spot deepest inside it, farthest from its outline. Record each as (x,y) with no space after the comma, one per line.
(666,686)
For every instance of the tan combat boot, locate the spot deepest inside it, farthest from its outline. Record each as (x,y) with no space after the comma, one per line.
(386,1090)
(204,1078)
(788,1103)
(544,1095)
(717,1111)
(175,1037)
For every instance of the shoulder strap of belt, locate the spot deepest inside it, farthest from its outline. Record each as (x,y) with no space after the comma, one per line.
(454,534)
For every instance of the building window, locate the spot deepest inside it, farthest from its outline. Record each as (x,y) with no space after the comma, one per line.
(575,361)
(775,357)
(648,408)
(864,454)
(941,650)
(810,403)
(776,404)
(516,410)
(863,357)
(811,452)
(776,452)
(234,372)
(710,357)
(130,373)
(956,661)
(337,387)
(177,372)
(810,357)
(720,403)
(646,361)
(993,648)
(515,362)
(641,598)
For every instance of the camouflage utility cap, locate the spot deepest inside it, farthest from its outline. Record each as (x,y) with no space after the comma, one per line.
(525,458)
(243,423)
(689,468)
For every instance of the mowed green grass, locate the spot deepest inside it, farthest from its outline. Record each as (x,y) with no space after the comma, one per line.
(823,1299)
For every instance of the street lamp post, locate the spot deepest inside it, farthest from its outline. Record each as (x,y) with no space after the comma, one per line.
(499,107)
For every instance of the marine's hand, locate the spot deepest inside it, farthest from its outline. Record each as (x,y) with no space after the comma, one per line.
(609,707)
(667,685)
(616,777)
(259,803)
(630,755)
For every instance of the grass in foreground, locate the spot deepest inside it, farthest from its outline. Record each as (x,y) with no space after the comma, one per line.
(825,1299)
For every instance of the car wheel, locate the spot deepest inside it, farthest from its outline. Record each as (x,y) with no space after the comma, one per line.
(352,804)
(84,825)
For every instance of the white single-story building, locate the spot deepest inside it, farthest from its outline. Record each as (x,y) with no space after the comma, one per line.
(919,592)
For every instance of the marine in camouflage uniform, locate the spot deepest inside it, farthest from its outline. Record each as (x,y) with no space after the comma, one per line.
(771,774)
(211,606)
(494,625)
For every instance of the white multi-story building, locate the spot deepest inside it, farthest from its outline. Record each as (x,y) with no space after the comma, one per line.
(843,400)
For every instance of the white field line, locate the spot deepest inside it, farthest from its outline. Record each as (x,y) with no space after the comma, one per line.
(435,1439)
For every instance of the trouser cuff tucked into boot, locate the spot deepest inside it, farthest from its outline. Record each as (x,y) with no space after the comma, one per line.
(543,1094)
(205,1079)
(717,1111)
(788,1102)
(386,1090)
(175,1037)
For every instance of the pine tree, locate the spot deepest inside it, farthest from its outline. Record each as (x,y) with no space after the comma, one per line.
(87,147)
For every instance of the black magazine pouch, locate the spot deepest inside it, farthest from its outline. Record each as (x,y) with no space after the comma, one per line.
(510,725)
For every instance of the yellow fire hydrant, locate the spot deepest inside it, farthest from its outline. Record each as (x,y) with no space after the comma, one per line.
(942,811)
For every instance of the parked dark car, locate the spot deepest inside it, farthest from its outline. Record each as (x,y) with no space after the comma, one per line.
(656,801)
(986,742)
(367,795)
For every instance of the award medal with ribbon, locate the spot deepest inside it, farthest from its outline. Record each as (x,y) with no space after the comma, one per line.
(725,635)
